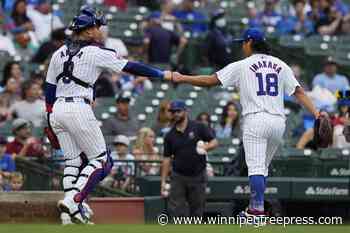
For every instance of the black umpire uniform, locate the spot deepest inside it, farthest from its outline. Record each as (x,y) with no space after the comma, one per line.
(188,177)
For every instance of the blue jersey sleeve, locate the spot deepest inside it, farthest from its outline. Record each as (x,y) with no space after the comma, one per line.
(140,69)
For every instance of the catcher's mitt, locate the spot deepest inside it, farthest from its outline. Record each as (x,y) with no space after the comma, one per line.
(323,132)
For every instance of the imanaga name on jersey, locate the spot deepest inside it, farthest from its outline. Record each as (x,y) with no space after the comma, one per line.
(265,64)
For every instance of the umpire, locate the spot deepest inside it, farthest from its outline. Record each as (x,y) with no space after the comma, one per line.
(188,159)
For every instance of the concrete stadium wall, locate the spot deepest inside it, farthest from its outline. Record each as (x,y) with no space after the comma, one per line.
(40,207)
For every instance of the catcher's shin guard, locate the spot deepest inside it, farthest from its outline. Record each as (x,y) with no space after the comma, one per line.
(71,173)
(92,174)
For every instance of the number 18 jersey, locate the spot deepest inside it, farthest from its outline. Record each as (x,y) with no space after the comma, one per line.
(262,81)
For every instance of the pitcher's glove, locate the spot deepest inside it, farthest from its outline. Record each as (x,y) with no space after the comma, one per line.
(323,131)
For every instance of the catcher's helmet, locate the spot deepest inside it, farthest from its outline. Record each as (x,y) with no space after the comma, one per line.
(87,17)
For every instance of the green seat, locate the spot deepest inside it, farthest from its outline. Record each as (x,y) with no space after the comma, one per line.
(296,166)
(294,152)
(320,46)
(331,153)
(291,41)
(102,105)
(342,55)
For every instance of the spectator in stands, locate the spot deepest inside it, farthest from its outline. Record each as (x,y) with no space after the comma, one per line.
(159,42)
(104,86)
(144,149)
(328,20)
(269,15)
(6,45)
(9,88)
(189,13)
(330,79)
(123,122)
(7,5)
(16,181)
(135,84)
(346,25)
(253,18)
(24,145)
(229,123)
(47,48)
(204,118)
(25,47)
(340,119)
(38,77)
(290,101)
(114,43)
(31,107)
(163,124)
(122,172)
(7,163)
(107,83)
(299,24)
(167,19)
(43,20)
(13,69)
(314,14)
(8,97)
(19,16)
(219,41)
(292,10)
(341,7)
(120,4)
(298,74)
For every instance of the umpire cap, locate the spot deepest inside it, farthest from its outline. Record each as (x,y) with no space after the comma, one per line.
(87,17)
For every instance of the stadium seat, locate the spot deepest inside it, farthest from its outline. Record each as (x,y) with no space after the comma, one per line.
(320,46)
(292,41)
(294,152)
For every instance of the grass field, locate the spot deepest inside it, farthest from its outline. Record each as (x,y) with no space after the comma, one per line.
(44,228)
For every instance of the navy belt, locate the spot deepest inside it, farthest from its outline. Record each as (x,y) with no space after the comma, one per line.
(71,100)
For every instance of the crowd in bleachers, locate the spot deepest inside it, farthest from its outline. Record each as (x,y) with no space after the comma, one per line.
(32,30)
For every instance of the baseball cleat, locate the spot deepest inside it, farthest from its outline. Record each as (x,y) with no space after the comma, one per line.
(66,220)
(88,211)
(254,217)
(70,207)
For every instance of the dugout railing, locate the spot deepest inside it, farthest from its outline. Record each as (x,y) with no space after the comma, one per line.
(45,174)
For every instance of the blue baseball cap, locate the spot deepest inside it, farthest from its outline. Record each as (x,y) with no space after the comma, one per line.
(177,105)
(154,15)
(254,34)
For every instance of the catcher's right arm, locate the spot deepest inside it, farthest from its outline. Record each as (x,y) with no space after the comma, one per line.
(323,131)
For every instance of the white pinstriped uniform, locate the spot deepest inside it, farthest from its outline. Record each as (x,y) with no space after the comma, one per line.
(74,122)
(262,81)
